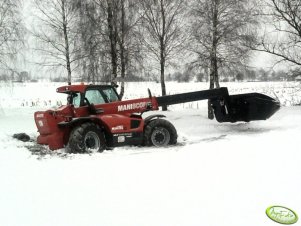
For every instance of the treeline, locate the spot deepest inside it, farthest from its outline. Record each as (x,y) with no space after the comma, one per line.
(188,75)
(250,75)
(126,40)
(23,76)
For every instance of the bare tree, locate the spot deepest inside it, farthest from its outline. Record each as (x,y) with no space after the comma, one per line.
(11,32)
(223,31)
(56,34)
(89,41)
(116,29)
(122,20)
(284,38)
(112,11)
(162,32)
(122,44)
(129,47)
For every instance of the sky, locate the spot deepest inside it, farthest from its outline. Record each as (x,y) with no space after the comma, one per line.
(258,59)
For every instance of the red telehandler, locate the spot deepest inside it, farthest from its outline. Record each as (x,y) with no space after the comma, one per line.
(95,118)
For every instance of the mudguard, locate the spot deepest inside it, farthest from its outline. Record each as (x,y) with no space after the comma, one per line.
(151,117)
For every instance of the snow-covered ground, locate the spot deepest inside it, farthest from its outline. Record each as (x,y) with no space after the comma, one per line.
(218,174)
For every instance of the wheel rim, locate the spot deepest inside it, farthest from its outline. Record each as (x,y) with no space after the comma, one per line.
(160,137)
(92,142)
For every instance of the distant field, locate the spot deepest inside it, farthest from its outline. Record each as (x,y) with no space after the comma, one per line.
(44,94)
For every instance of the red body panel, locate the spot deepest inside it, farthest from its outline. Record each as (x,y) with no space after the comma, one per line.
(47,124)
(129,106)
(116,123)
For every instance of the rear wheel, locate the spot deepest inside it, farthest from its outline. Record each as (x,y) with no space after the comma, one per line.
(160,133)
(87,137)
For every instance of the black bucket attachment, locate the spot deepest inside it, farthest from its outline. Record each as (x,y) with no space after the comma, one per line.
(244,107)
(229,108)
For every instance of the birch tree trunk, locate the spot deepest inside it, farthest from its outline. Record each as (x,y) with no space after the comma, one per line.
(113,39)
(162,54)
(213,80)
(65,32)
(122,49)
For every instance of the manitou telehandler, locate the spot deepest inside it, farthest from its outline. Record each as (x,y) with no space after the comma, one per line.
(95,118)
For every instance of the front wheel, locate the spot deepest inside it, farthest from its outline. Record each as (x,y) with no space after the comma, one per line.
(87,137)
(160,133)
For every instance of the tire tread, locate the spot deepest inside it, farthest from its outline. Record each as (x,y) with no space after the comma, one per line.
(76,137)
(162,123)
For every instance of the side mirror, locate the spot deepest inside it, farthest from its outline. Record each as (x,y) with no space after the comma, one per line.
(149,93)
(114,84)
(69,99)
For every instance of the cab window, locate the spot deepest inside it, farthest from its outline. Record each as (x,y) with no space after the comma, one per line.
(111,95)
(76,99)
(94,96)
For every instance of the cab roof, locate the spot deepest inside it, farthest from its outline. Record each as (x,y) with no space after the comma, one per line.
(79,88)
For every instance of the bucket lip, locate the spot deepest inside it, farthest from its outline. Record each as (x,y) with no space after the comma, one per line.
(258,96)
(253,95)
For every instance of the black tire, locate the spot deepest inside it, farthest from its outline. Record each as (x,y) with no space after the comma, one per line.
(88,138)
(160,133)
